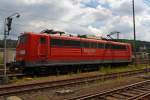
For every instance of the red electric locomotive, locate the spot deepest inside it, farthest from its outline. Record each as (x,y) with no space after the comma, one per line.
(47,52)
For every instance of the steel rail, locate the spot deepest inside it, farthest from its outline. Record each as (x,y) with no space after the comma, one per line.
(145,96)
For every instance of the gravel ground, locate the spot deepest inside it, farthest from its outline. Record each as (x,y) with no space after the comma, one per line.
(77,90)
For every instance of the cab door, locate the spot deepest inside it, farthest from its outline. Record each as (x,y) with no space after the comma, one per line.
(43,47)
(108,52)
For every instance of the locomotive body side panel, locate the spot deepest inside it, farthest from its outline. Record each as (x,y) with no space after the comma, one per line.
(46,50)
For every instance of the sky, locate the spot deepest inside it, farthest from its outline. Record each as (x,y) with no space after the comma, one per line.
(94,17)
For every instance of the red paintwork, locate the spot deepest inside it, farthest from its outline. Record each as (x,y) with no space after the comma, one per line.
(44,52)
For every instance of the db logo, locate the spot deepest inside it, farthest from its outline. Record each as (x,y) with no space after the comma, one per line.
(89,50)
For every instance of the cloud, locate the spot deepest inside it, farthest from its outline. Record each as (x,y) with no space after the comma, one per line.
(97,17)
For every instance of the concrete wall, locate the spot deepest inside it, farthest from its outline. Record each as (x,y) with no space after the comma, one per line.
(10,55)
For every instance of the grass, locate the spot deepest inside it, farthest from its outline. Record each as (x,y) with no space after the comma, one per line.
(13,79)
(41,97)
(71,73)
(109,69)
(1,58)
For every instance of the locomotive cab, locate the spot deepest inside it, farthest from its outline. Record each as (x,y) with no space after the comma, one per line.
(32,49)
(21,49)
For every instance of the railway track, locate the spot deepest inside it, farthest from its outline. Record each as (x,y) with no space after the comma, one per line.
(8,90)
(136,91)
(144,97)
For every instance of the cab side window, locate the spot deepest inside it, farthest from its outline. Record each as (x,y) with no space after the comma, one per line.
(42,40)
(56,42)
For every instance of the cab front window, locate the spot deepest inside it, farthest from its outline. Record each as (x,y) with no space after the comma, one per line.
(22,39)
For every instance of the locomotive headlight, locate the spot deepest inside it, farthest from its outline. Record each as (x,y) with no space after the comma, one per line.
(22,52)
